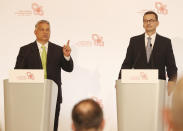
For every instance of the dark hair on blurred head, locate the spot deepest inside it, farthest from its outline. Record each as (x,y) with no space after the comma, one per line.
(87,114)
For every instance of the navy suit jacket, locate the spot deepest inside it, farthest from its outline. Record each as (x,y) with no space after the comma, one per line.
(162,57)
(29,58)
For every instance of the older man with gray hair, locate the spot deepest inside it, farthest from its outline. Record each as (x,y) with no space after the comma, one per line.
(43,54)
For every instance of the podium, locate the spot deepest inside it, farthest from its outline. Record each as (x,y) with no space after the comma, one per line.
(30,106)
(140,106)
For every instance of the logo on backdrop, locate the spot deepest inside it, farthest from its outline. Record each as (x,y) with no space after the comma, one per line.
(96,40)
(159,7)
(35,9)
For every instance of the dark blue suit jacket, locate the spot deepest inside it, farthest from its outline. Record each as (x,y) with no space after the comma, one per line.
(162,57)
(29,58)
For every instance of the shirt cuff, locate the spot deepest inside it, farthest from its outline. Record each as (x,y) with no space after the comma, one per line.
(67,58)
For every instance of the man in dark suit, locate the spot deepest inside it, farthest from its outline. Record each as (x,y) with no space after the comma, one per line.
(42,54)
(151,51)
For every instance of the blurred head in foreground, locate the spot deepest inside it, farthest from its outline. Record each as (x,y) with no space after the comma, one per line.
(174,116)
(87,115)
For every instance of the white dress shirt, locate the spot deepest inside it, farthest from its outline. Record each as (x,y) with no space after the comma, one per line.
(40,49)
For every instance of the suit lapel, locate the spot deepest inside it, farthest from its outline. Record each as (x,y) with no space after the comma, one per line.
(49,53)
(155,47)
(142,41)
(37,57)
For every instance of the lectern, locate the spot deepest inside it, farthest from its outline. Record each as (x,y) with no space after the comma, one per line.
(140,105)
(30,106)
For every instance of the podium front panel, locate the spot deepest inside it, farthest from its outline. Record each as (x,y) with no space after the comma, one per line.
(139,106)
(29,106)
(23,100)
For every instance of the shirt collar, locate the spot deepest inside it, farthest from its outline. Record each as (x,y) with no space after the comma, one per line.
(152,36)
(39,45)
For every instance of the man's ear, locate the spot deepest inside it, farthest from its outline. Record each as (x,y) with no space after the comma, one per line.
(157,23)
(167,116)
(73,127)
(102,124)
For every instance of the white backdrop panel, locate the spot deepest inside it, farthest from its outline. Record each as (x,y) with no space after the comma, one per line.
(96,65)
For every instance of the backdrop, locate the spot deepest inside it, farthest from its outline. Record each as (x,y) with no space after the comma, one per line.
(99,32)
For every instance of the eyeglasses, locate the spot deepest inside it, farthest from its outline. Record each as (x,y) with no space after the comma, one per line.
(150,21)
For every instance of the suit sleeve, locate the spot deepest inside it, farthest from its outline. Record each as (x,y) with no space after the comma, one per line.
(128,62)
(170,63)
(20,62)
(65,64)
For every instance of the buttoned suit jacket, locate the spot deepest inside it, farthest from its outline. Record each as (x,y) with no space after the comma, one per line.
(29,58)
(162,56)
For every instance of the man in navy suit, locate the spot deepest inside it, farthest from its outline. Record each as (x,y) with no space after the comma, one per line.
(161,56)
(57,57)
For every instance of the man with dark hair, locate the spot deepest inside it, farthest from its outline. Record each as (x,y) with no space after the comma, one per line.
(87,115)
(151,51)
(42,54)
(174,116)
(150,13)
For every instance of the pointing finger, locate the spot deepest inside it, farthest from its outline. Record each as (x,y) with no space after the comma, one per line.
(68,42)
